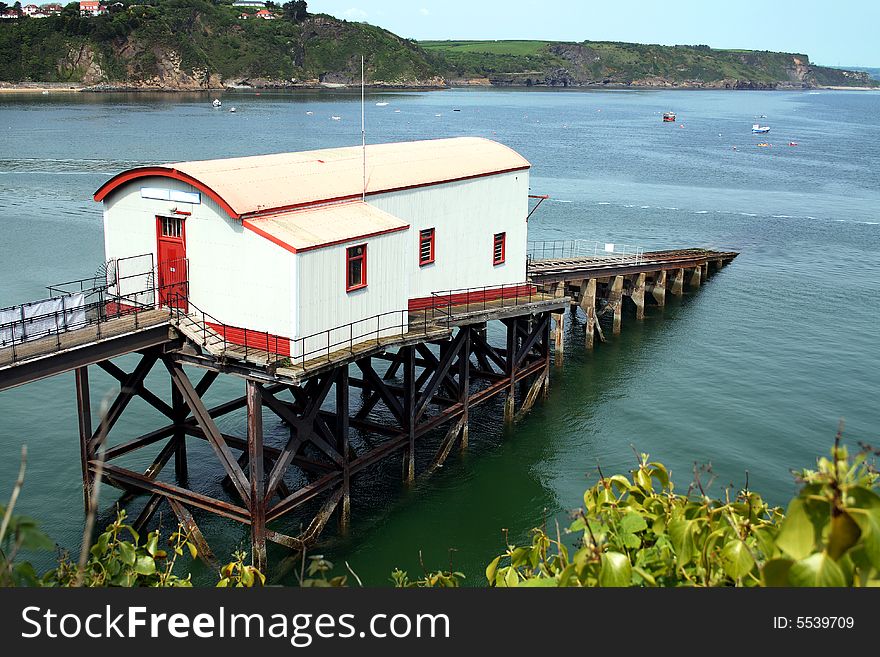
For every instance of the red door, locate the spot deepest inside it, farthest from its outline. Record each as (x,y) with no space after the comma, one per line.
(172,267)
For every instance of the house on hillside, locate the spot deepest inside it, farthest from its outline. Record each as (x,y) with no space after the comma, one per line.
(91,8)
(30,10)
(266,15)
(9,14)
(249,4)
(52,9)
(290,245)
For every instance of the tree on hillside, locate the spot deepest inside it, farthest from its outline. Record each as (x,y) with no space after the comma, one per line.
(295,11)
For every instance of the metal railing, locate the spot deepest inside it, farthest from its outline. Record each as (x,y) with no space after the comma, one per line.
(254,346)
(449,303)
(98,307)
(104,297)
(561,249)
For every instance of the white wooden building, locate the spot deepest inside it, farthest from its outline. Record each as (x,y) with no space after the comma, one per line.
(290,246)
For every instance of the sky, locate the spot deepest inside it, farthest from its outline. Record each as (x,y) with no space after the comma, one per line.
(831,32)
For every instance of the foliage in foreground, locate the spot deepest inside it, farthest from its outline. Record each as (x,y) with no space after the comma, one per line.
(632,531)
(637,531)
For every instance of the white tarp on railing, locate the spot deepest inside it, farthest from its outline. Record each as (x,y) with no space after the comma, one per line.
(41,318)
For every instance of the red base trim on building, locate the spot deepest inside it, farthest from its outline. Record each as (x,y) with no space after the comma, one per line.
(477,295)
(274,344)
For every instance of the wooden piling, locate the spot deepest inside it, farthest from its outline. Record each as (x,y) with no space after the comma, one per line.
(696,276)
(256,476)
(678,282)
(658,291)
(342,446)
(638,295)
(84,414)
(588,304)
(615,299)
(559,337)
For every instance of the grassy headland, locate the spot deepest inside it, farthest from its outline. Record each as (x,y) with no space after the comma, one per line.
(206,44)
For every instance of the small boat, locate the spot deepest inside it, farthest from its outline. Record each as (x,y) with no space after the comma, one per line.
(309,113)
(764,144)
(336,118)
(792,143)
(669,117)
(216,102)
(381,104)
(231,109)
(759,129)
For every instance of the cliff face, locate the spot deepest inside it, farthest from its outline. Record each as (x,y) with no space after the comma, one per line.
(199,45)
(588,64)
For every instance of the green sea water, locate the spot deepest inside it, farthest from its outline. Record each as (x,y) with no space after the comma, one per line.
(751,374)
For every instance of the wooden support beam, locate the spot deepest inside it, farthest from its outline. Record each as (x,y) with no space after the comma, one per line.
(147,513)
(658,289)
(678,282)
(510,369)
(409,413)
(615,300)
(212,433)
(255,475)
(128,390)
(84,415)
(180,411)
(696,276)
(588,305)
(446,445)
(638,295)
(342,446)
(137,481)
(464,383)
(705,270)
(140,390)
(532,396)
(186,520)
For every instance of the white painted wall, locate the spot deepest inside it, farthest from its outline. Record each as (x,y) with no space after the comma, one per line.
(466,215)
(237,276)
(324,304)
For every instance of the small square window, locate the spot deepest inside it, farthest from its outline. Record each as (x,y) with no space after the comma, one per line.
(355,267)
(426,246)
(498,247)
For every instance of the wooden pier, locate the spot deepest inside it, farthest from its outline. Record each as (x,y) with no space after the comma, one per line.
(600,284)
(346,409)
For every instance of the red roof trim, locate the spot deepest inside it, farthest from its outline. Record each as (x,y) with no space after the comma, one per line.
(145,172)
(251,225)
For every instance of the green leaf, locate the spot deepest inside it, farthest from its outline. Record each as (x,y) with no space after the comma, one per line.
(145,565)
(633,522)
(511,578)
(775,572)
(193,550)
(797,537)
(681,533)
(127,553)
(616,570)
(736,559)
(152,544)
(539,582)
(816,570)
(843,535)
(491,568)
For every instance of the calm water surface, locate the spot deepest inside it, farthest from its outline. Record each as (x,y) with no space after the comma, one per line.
(750,374)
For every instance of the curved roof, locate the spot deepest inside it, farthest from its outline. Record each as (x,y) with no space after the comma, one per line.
(247,186)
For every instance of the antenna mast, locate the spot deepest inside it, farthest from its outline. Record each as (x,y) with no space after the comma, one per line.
(363,135)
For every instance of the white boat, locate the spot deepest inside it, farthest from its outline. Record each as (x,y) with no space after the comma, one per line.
(216,102)
(335,118)
(759,129)
(381,104)
(231,109)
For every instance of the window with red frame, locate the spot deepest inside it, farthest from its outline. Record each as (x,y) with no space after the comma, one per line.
(355,267)
(426,246)
(498,248)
